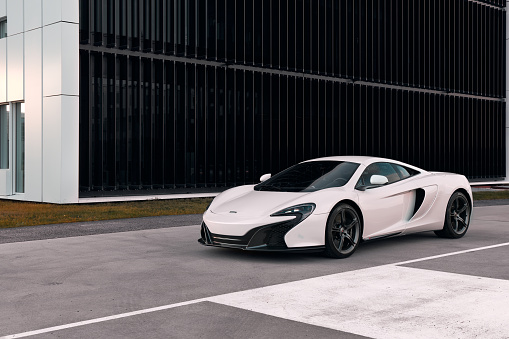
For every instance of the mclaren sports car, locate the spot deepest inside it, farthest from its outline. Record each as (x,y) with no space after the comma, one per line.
(333,204)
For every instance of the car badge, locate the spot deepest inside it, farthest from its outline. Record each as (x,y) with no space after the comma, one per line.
(233,211)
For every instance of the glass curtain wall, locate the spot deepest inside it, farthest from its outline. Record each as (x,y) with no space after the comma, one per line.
(19,154)
(4,137)
(193,93)
(3,28)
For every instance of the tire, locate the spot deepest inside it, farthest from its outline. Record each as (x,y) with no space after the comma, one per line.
(457,217)
(343,232)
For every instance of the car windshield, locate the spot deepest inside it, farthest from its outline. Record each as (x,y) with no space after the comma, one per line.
(310,176)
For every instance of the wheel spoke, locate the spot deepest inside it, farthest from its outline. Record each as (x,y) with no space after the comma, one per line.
(341,241)
(349,238)
(456,228)
(463,209)
(350,225)
(460,219)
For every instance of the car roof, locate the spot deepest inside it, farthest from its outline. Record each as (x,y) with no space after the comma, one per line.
(364,160)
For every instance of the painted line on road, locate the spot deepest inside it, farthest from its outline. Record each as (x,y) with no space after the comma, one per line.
(195,301)
(103,319)
(449,254)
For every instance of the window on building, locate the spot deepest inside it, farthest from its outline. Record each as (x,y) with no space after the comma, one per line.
(19,121)
(3,28)
(4,136)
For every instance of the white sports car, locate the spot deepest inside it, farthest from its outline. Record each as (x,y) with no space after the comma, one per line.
(334,203)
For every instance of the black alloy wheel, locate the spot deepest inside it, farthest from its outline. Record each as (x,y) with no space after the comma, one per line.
(457,217)
(343,232)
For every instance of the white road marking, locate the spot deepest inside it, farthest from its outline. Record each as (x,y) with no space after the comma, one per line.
(388,302)
(371,300)
(103,319)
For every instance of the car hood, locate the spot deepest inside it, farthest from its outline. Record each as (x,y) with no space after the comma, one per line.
(258,203)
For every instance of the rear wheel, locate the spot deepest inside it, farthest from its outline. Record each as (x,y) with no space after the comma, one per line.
(457,217)
(343,231)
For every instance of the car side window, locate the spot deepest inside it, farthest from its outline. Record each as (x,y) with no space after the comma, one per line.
(378,168)
(404,172)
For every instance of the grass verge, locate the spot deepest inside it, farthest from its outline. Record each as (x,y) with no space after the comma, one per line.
(491,195)
(18,213)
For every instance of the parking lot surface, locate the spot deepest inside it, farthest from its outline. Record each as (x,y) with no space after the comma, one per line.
(160,283)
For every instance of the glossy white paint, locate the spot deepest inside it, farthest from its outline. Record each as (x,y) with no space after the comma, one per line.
(386,210)
(40,66)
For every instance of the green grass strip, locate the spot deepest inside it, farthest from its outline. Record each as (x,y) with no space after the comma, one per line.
(20,213)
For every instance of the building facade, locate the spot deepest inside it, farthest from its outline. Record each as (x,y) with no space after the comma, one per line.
(125,95)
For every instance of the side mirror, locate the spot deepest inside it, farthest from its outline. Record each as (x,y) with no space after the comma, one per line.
(265,177)
(378,180)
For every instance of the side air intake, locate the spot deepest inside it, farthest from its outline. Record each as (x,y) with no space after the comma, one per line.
(419,198)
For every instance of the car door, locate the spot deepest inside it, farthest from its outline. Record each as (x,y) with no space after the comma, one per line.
(386,208)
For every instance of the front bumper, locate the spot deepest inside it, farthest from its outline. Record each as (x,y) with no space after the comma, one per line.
(263,238)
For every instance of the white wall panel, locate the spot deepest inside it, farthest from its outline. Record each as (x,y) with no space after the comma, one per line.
(52,59)
(14,17)
(33,14)
(60,149)
(51,148)
(51,11)
(70,150)
(33,114)
(3,70)
(3,8)
(70,59)
(71,11)
(15,68)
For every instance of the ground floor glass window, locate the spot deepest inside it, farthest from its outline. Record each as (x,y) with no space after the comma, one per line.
(4,137)
(19,119)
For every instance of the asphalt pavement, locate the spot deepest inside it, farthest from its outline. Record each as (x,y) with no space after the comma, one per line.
(150,278)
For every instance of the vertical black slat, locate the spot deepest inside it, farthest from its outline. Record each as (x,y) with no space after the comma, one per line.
(335,24)
(258,33)
(315,36)
(357,58)
(239,31)
(248,31)
(275,42)
(256,146)
(322,41)
(249,123)
(267,33)
(306,35)
(266,112)
(220,127)
(291,34)
(291,116)
(220,30)
(274,119)
(169,126)
(164,109)
(382,34)
(307,118)
(299,120)
(202,130)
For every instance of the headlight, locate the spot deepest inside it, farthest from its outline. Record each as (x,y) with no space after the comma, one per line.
(303,211)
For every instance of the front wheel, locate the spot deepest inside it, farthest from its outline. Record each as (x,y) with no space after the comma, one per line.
(343,232)
(457,217)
